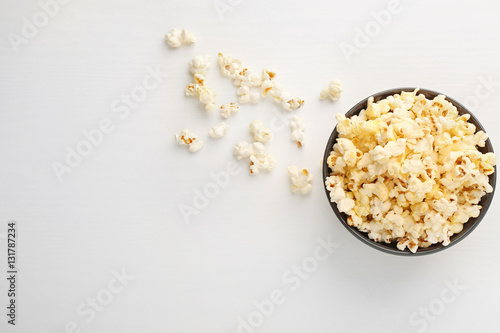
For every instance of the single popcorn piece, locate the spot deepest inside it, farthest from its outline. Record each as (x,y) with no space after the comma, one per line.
(228,109)
(333,90)
(259,132)
(218,131)
(256,153)
(175,37)
(246,96)
(300,179)
(407,170)
(199,64)
(189,139)
(243,150)
(261,159)
(297,126)
(204,94)
(187,37)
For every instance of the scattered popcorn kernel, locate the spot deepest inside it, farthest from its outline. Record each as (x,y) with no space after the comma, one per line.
(256,153)
(187,37)
(297,126)
(333,90)
(407,170)
(300,179)
(173,38)
(243,150)
(259,132)
(176,37)
(261,159)
(204,94)
(228,109)
(218,131)
(189,139)
(246,96)
(199,64)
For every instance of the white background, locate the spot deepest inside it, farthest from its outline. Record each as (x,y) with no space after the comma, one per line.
(119,209)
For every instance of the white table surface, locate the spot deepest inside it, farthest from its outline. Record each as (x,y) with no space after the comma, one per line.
(119,209)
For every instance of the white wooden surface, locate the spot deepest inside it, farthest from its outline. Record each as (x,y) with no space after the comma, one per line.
(119,209)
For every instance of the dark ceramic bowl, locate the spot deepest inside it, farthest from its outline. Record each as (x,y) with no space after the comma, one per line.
(391,248)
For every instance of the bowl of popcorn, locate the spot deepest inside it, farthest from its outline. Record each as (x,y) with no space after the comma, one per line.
(409,171)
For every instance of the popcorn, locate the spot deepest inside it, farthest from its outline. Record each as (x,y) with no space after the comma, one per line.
(228,109)
(229,65)
(297,126)
(204,94)
(259,158)
(333,90)
(345,205)
(187,37)
(300,179)
(270,88)
(259,132)
(176,37)
(199,64)
(407,169)
(243,150)
(245,79)
(218,131)
(245,96)
(189,139)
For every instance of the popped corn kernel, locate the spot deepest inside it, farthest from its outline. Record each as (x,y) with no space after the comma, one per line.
(333,90)
(187,37)
(218,131)
(205,94)
(228,109)
(243,150)
(260,132)
(189,139)
(261,159)
(300,179)
(256,153)
(297,126)
(173,38)
(199,64)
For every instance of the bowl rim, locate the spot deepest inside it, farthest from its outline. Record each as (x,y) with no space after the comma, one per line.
(391,248)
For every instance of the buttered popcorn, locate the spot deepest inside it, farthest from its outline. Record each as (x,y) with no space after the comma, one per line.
(407,169)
